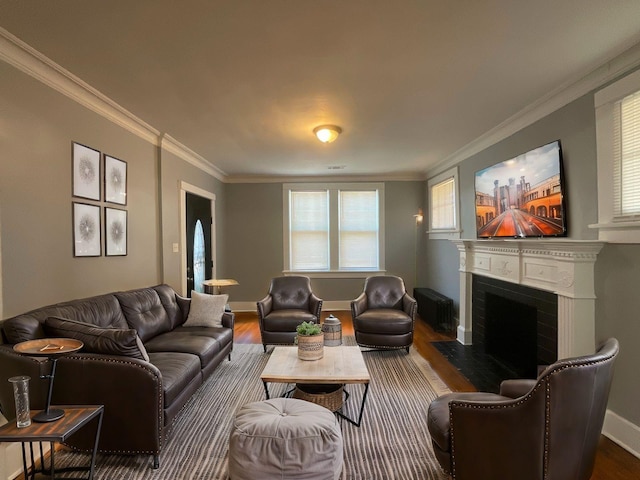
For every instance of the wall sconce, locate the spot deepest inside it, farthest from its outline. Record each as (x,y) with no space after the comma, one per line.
(327,133)
(418,216)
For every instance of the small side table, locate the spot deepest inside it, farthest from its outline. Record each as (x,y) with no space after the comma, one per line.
(75,418)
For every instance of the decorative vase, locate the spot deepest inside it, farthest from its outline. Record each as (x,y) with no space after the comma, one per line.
(332,329)
(311,347)
(21,396)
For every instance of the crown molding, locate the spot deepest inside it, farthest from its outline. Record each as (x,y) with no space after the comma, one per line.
(27,59)
(407,177)
(554,100)
(170,144)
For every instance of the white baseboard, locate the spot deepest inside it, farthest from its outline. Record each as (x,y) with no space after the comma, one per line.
(623,432)
(326,306)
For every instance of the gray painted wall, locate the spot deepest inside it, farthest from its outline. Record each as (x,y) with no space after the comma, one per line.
(618,266)
(38,268)
(37,127)
(254,239)
(173,171)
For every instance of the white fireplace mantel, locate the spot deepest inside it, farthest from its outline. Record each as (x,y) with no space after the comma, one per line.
(561,266)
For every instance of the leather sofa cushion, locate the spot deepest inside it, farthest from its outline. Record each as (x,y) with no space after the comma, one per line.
(22,328)
(108,341)
(288,320)
(102,311)
(169,301)
(144,312)
(290,292)
(383,321)
(384,292)
(178,371)
(180,340)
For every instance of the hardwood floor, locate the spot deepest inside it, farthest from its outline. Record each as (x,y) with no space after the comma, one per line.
(612,461)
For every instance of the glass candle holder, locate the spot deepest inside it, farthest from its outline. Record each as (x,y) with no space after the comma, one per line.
(21,396)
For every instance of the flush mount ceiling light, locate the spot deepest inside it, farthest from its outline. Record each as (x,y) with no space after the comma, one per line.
(327,133)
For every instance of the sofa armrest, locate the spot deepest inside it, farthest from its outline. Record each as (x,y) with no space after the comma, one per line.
(358,305)
(409,305)
(130,389)
(315,306)
(517,387)
(264,308)
(228,320)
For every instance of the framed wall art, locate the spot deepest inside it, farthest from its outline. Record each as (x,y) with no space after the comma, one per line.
(86,230)
(115,180)
(86,172)
(115,226)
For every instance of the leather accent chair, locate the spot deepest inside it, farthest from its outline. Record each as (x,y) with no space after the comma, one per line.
(546,428)
(289,302)
(384,314)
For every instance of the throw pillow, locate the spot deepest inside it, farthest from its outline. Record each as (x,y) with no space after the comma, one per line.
(206,310)
(109,341)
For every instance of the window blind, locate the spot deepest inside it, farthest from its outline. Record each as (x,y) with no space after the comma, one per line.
(309,230)
(358,226)
(443,205)
(626,170)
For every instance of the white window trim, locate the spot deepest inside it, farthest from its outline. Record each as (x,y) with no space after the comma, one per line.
(444,234)
(333,232)
(610,229)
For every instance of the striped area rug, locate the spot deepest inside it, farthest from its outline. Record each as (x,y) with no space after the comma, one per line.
(392,443)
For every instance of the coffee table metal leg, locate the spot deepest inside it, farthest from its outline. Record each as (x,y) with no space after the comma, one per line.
(364,400)
(266,389)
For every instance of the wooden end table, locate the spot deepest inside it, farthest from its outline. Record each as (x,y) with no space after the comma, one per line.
(339,365)
(75,418)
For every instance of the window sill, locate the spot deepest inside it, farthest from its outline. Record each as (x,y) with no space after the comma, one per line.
(335,273)
(444,234)
(618,232)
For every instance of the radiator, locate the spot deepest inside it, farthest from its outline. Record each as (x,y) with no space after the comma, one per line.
(435,309)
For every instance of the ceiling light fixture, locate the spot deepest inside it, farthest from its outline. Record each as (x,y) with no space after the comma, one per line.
(327,133)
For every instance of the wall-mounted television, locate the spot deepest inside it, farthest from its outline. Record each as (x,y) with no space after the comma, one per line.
(522,197)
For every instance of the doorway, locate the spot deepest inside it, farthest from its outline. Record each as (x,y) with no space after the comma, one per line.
(198,242)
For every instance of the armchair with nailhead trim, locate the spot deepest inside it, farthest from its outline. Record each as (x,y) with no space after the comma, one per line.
(546,428)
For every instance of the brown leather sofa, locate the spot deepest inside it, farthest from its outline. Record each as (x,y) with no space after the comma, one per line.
(141,397)
(384,314)
(288,303)
(534,429)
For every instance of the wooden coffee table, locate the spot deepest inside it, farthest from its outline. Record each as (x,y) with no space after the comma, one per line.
(339,365)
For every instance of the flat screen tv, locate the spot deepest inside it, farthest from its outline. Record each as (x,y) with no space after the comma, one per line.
(522,197)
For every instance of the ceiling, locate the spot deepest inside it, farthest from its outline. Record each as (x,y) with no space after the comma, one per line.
(243,82)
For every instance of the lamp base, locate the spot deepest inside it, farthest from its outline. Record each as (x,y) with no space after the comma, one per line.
(50,416)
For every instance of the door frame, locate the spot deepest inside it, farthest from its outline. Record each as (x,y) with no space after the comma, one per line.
(184,188)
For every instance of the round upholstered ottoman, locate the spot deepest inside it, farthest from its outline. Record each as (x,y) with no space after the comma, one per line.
(285,438)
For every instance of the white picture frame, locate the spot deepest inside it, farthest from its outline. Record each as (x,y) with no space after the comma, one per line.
(115,180)
(86,171)
(115,226)
(87,240)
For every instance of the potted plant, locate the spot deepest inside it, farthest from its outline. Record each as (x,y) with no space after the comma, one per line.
(310,341)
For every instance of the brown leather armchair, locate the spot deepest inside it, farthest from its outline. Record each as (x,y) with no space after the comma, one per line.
(289,302)
(535,429)
(384,314)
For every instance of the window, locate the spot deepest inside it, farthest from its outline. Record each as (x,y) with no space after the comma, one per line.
(618,139)
(444,202)
(331,228)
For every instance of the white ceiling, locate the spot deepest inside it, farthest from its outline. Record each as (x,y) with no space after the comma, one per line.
(244,82)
